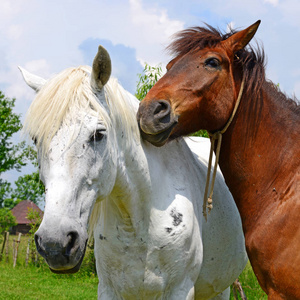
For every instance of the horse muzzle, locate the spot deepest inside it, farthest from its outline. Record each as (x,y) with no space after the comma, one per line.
(62,246)
(156,121)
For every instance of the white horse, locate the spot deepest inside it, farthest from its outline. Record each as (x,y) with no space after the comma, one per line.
(144,203)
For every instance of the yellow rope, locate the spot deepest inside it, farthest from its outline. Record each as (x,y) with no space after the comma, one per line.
(217,136)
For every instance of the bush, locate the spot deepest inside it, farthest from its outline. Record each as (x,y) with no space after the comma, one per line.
(7,220)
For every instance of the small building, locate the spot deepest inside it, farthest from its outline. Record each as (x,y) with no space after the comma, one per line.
(20,211)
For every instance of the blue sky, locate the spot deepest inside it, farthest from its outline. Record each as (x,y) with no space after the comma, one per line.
(46,37)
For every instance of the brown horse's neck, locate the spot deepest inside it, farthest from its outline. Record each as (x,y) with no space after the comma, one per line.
(260,152)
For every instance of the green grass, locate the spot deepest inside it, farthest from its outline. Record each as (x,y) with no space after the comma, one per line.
(33,282)
(39,283)
(250,285)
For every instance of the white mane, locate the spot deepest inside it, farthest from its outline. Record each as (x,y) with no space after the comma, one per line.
(69,92)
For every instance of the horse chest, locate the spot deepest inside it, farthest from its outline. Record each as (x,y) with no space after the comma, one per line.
(152,260)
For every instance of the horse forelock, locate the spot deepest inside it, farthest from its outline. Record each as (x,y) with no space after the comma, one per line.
(70,92)
(194,38)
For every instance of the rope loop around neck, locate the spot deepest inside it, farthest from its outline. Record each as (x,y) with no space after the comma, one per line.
(217,136)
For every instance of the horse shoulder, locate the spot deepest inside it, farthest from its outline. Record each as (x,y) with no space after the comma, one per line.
(277,227)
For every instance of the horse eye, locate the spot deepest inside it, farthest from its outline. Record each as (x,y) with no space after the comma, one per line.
(212,62)
(97,136)
(34,139)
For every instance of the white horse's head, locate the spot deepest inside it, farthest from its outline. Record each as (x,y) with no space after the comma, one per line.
(71,122)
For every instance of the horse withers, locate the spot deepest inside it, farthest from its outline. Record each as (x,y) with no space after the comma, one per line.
(151,240)
(215,82)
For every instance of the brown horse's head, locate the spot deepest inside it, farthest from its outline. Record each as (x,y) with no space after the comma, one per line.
(200,87)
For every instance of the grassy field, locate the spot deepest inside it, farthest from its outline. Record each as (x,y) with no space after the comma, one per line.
(33,282)
(36,281)
(250,285)
(39,283)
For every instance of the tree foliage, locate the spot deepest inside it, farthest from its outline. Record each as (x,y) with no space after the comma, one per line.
(15,156)
(11,156)
(30,187)
(147,80)
(7,220)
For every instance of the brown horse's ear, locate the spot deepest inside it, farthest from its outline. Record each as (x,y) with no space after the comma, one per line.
(101,68)
(240,39)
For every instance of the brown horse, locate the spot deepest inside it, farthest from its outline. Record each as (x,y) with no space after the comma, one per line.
(260,153)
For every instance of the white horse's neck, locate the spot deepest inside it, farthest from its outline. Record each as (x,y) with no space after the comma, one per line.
(133,186)
(141,169)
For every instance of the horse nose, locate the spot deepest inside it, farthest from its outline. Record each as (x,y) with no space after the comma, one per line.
(58,248)
(155,116)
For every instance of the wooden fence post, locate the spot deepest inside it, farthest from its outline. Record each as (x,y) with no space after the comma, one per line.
(27,252)
(17,247)
(7,246)
(238,287)
(14,249)
(3,245)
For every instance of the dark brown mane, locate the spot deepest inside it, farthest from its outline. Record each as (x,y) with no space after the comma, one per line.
(195,38)
(275,92)
(250,60)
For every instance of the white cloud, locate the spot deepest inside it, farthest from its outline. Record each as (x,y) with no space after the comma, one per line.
(273,2)
(153,29)
(8,9)
(154,20)
(39,67)
(14,32)
(8,12)
(291,11)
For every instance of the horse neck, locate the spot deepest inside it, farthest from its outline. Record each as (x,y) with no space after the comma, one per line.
(258,151)
(140,186)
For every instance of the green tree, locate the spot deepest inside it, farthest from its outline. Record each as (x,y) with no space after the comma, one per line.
(147,80)
(11,156)
(5,190)
(15,157)
(7,219)
(29,187)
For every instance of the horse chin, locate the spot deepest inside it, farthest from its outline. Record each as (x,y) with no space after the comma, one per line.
(158,139)
(71,270)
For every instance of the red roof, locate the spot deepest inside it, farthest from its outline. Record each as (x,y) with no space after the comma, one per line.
(21,209)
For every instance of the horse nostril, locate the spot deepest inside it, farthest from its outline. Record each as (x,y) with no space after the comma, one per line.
(161,108)
(72,237)
(38,244)
(36,239)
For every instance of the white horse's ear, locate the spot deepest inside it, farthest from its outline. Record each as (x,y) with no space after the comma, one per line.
(34,81)
(101,69)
